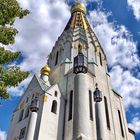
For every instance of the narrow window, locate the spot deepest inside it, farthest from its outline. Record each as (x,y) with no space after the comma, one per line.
(55,93)
(54,107)
(107,113)
(22,133)
(70,105)
(56,60)
(21,115)
(90,105)
(100,59)
(27,112)
(119,114)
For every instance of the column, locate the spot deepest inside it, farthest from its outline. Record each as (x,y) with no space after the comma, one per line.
(81,124)
(33,119)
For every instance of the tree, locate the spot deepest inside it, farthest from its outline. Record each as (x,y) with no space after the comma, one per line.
(9,75)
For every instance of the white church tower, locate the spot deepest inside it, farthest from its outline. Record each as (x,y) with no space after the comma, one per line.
(73,98)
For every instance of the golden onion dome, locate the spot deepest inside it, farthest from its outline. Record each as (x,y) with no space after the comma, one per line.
(45,70)
(78,7)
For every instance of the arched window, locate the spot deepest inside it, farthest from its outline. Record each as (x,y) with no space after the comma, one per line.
(27,112)
(106,113)
(90,105)
(54,107)
(56,60)
(100,56)
(120,120)
(21,115)
(70,105)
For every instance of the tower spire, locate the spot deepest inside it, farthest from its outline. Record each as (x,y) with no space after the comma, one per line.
(78,18)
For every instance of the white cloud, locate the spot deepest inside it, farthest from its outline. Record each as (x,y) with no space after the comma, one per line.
(121,52)
(135,6)
(39,31)
(37,35)
(116,40)
(3,135)
(135,124)
(127,85)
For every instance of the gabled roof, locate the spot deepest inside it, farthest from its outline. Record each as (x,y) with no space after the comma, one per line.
(41,83)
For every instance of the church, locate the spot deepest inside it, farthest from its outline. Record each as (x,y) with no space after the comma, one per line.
(73,98)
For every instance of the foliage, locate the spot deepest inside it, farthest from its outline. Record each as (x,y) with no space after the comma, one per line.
(10,10)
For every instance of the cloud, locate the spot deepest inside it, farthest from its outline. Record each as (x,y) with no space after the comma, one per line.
(122,56)
(116,40)
(135,6)
(37,35)
(39,31)
(127,85)
(3,135)
(135,124)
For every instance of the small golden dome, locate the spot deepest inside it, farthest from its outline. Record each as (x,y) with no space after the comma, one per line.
(78,7)
(45,70)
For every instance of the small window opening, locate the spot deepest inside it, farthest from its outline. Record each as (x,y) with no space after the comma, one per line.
(107,113)
(21,115)
(27,112)
(22,133)
(54,107)
(56,61)
(90,106)
(120,120)
(70,105)
(100,59)
(55,93)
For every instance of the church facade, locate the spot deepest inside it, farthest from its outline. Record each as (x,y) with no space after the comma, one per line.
(73,98)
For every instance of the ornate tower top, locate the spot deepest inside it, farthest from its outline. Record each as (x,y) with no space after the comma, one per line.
(78,7)
(45,70)
(78,18)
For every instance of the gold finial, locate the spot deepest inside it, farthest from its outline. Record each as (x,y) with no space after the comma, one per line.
(78,7)
(45,70)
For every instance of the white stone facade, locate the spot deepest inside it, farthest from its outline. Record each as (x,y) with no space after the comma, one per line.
(67,111)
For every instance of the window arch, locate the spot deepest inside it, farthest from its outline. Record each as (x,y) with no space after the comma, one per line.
(70,105)
(107,113)
(90,105)
(54,107)
(56,60)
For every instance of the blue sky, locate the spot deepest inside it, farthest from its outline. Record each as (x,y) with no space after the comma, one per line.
(117,25)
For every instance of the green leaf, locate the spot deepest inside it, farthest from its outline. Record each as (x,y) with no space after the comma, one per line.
(7,56)
(9,75)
